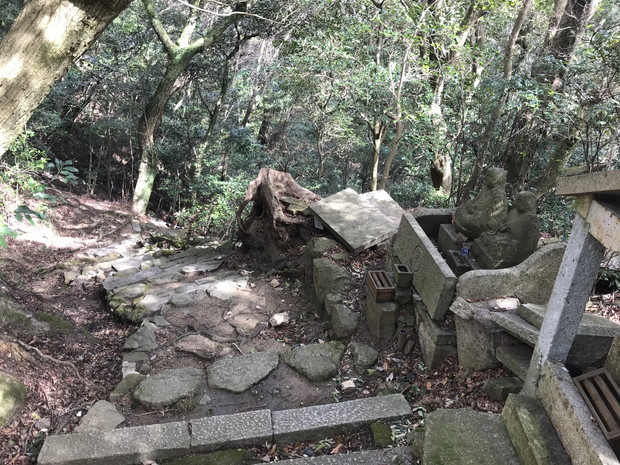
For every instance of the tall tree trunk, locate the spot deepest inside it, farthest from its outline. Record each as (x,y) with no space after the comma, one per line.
(43,42)
(377,134)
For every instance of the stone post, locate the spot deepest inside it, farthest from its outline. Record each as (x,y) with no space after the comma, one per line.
(570,294)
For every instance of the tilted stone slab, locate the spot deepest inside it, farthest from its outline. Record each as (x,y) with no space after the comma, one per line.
(238,430)
(590,325)
(125,446)
(432,278)
(466,437)
(238,374)
(320,421)
(396,455)
(355,220)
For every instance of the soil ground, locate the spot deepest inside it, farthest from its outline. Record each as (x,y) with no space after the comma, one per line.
(78,361)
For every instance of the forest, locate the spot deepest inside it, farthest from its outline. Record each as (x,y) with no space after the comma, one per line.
(175,105)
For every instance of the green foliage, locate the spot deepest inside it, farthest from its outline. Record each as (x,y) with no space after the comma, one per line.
(6,231)
(64,171)
(610,279)
(555,215)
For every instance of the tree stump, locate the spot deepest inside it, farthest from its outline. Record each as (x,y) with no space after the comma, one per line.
(267,227)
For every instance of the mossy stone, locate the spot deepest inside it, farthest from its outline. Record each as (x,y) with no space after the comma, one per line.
(224,457)
(381,434)
(56,323)
(12,396)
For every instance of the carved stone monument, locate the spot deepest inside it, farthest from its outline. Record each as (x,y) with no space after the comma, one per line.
(488,210)
(513,241)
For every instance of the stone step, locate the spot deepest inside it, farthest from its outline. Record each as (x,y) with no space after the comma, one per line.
(515,358)
(531,432)
(365,457)
(517,326)
(591,325)
(466,437)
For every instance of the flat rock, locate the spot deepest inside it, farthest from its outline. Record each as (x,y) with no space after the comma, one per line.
(202,267)
(317,362)
(363,356)
(343,321)
(238,374)
(199,345)
(142,340)
(102,416)
(169,387)
(223,287)
(126,386)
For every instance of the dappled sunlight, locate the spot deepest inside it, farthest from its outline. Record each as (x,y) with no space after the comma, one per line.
(12,68)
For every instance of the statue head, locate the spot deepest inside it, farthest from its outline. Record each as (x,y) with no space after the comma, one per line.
(495,177)
(525,202)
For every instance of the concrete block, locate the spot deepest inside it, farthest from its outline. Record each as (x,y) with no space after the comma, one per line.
(431,219)
(516,358)
(237,430)
(381,318)
(321,421)
(436,343)
(446,239)
(499,388)
(612,363)
(433,279)
(124,446)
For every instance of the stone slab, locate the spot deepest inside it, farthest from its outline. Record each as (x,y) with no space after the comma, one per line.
(141,276)
(386,205)
(604,182)
(604,221)
(499,389)
(590,325)
(124,446)
(431,219)
(230,431)
(516,358)
(516,326)
(396,455)
(237,374)
(436,344)
(446,239)
(532,433)
(320,421)
(354,219)
(433,279)
(466,437)
(102,416)
(582,438)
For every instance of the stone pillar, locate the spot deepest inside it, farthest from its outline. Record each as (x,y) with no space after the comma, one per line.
(571,291)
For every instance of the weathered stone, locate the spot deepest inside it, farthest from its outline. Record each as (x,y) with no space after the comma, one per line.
(126,386)
(202,267)
(590,325)
(115,282)
(436,343)
(532,433)
(238,430)
(187,295)
(322,421)
(169,387)
(153,302)
(466,437)
(381,434)
(329,278)
(142,340)
(498,389)
(238,374)
(70,276)
(198,345)
(12,397)
(531,281)
(343,321)
(130,292)
(359,221)
(381,318)
(363,356)
(447,237)
(123,446)
(394,455)
(166,277)
(222,457)
(224,286)
(315,248)
(317,362)
(102,416)
(612,362)
(515,358)
(433,279)
(135,357)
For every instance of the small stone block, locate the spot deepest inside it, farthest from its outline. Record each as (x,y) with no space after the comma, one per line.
(402,275)
(124,446)
(381,318)
(238,430)
(499,388)
(446,240)
(320,421)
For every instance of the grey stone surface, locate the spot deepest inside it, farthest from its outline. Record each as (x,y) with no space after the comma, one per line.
(381,318)
(187,295)
(446,239)
(590,325)
(169,387)
(128,384)
(356,220)
(198,345)
(605,182)
(396,455)
(315,248)
(166,277)
(224,286)
(515,358)
(238,430)
(142,340)
(532,280)
(431,219)
(436,343)
(202,267)
(583,440)
(532,433)
(343,321)
(433,279)
(466,437)
(329,278)
(516,326)
(102,416)
(320,421)
(498,389)
(124,446)
(364,356)
(12,396)
(154,301)
(317,362)
(116,282)
(237,374)
(612,362)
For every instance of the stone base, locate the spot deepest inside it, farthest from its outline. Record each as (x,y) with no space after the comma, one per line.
(459,263)
(436,343)
(446,240)
(381,318)
(499,388)
(487,262)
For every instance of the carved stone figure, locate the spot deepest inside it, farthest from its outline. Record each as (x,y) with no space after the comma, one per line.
(513,241)
(487,210)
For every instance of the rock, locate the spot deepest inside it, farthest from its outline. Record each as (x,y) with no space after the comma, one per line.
(329,278)
(12,397)
(363,356)
(224,457)
(198,345)
(142,340)
(102,416)
(238,374)
(317,247)
(381,434)
(499,388)
(201,267)
(169,387)
(343,321)
(70,276)
(135,356)
(126,386)
(317,362)
(279,319)
(223,286)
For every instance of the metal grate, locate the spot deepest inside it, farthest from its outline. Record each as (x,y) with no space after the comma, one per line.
(380,286)
(602,395)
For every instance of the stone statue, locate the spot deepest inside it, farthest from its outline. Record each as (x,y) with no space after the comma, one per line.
(487,210)
(513,241)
